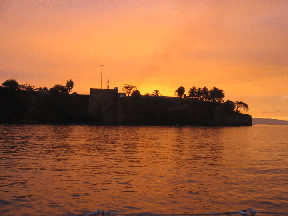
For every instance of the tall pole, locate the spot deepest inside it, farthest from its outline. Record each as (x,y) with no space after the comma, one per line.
(101,74)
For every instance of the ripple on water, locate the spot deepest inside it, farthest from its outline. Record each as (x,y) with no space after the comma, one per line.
(62,170)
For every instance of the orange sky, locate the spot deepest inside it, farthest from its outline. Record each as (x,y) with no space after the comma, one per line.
(238,46)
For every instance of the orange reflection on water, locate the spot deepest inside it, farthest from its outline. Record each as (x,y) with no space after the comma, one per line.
(76,169)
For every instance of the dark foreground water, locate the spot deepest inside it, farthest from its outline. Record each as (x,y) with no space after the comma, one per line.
(68,170)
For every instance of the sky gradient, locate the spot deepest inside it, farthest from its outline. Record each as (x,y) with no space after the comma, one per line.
(238,46)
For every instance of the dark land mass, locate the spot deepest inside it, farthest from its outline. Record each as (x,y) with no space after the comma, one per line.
(42,107)
(54,107)
(269,121)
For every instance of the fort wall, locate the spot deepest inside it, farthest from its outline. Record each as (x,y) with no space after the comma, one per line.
(107,106)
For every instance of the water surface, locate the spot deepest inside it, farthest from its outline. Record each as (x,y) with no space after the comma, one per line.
(68,170)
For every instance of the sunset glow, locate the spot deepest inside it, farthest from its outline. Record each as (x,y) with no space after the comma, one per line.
(238,46)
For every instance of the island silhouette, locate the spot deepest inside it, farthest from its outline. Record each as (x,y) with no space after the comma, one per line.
(27,104)
(269,121)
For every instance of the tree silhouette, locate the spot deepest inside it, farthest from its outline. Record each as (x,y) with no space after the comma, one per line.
(136,93)
(42,89)
(180,91)
(241,105)
(156,93)
(216,95)
(229,106)
(128,88)
(59,89)
(69,85)
(11,83)
(205,96)
(27,87)
(192,92)
(199,93)
(136,96)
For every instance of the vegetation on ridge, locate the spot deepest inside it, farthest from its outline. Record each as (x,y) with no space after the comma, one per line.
(214,95)
(27,103)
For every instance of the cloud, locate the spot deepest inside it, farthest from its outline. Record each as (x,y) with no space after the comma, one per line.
(248,31)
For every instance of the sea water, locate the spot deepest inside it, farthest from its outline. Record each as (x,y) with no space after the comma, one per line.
(69,170)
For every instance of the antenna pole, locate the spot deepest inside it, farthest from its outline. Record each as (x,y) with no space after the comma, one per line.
(101,74)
